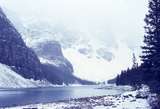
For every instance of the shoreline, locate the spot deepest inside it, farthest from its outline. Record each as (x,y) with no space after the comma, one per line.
(127,100)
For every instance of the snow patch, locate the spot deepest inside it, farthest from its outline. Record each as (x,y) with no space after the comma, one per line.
(10,79)
(96,68)
(46,61)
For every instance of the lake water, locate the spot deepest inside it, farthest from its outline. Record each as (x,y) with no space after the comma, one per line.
(14,97)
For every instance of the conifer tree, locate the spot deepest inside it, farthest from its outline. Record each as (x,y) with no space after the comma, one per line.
(151,49)
(135,64)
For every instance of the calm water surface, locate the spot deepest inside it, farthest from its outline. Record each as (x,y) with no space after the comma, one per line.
(13,97)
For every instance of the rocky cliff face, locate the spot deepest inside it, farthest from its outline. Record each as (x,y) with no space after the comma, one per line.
(15,53)
(57,68)
(51,51)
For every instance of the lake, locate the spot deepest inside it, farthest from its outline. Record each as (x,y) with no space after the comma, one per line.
(14,97)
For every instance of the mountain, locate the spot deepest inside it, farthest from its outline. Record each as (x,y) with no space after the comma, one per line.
(52,66)
(50,52)
(82,52)
(14,52)
(57,68)
(83,32)
(95,54)
(88,54)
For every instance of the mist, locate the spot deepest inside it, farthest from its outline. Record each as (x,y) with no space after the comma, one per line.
(113,24)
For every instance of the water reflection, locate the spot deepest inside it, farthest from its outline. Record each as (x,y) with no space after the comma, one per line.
(13,97)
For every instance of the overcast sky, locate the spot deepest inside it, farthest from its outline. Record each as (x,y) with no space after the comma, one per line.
(110,21)
(120,19)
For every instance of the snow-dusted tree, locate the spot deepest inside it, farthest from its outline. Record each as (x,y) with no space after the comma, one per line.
(135,64)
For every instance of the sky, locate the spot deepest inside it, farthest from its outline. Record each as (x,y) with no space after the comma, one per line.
(109,22)
(120,19)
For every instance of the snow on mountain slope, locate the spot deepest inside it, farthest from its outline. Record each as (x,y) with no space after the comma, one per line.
(10,79)
(92,58)
(97,44)
(97,68)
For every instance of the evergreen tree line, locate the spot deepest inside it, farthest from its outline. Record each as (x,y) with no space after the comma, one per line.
(149,71)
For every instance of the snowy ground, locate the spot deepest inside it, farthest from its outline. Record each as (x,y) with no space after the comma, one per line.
(125,101)
(10,79)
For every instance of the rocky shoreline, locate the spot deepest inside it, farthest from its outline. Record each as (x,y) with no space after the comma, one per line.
(131,99)
(128,100)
